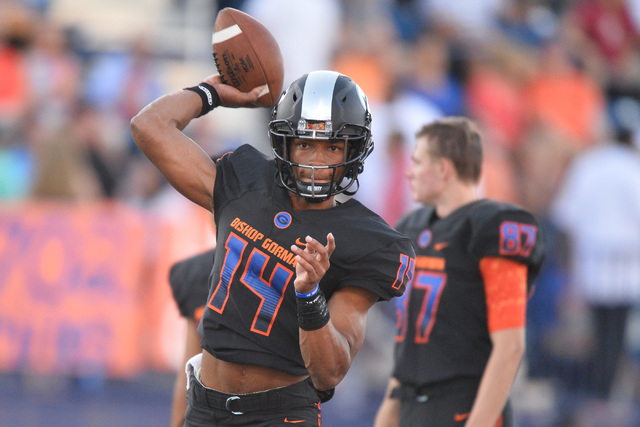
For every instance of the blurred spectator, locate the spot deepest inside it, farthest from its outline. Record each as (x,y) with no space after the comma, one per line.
(122,80)
(467,22)
(54,73)
(100,138)
(17,27)
(119,83)
(562,96)
(144,187)
(605,38)
(494,91)
(598,208)
(13,81)
(430,74)
(499,174)
(527,22)
(307,31)
(409,18)
(541,161)
(61,171)
(371,57)
(396,194)
(566,114)
(16,163)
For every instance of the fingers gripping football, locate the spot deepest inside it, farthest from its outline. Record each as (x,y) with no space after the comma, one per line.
(312,262)
(232,97)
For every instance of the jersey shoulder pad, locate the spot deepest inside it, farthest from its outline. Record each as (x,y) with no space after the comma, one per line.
(366,230)
(239,171)
(415,220)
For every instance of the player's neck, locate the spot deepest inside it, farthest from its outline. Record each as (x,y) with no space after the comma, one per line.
(456,197)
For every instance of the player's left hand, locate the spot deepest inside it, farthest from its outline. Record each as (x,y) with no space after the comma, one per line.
(312,262)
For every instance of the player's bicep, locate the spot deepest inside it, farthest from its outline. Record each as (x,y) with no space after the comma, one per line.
(505,284)
(348,309)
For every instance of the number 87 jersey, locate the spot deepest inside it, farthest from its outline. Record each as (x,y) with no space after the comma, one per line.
(456,299)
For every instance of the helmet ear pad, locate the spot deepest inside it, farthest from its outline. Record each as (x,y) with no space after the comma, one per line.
(322,105)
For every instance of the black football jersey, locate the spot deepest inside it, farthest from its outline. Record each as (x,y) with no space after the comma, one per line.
(189,280)
(442,330)
(251,314)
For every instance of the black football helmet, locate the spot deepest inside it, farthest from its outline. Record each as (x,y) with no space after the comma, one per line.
(323,105)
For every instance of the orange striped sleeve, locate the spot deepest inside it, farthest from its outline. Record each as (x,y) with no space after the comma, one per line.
(505,286)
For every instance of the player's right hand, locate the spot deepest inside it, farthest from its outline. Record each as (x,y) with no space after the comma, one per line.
(231,97)
(312,262)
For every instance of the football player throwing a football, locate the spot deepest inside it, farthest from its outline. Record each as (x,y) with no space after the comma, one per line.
(461,323)
(295,271)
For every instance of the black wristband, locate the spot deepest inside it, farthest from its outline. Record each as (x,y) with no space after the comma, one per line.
(312,312)
(208,95)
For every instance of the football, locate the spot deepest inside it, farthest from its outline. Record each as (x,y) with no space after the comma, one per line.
(247,55)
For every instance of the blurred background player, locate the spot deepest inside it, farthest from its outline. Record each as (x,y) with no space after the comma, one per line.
(597,211)
(461,324)
(286,313)
(189,280)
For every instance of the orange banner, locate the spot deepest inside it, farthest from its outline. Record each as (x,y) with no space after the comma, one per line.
(84,288)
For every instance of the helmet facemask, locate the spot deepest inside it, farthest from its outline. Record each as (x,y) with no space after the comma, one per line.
(346,119)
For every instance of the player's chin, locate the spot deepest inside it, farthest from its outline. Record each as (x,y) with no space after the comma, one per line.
(416,195)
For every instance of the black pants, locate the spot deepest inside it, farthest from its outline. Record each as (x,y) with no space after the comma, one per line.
(610,328)
(445,404)
(296,404)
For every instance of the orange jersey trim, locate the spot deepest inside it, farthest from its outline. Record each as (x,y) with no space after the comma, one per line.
(430,263)
(505,286)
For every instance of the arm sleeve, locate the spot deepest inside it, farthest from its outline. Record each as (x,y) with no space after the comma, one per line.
(513,235)
(384,272)
(505,284)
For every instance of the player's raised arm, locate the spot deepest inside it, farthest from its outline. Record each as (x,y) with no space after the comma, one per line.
(157,131)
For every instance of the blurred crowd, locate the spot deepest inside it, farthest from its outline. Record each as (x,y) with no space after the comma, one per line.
(554,84)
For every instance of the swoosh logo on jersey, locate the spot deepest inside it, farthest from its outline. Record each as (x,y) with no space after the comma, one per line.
(287,420)
(440,245)
(300,242)
(460,417)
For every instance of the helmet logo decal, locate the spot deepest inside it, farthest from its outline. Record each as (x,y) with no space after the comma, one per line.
(282,219)
(316,126)
(424,238)
(311,128)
